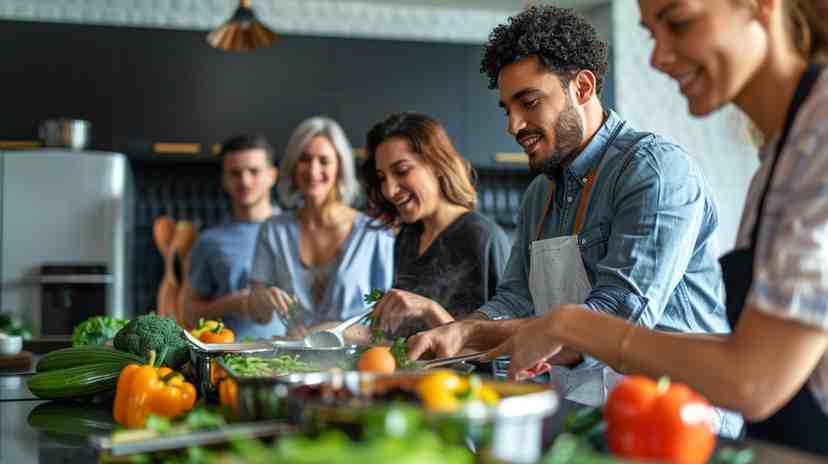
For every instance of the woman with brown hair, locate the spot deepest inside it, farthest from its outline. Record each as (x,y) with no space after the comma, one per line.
(767,58)
(448,258)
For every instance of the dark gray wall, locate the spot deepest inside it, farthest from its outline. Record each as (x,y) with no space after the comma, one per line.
(139,86)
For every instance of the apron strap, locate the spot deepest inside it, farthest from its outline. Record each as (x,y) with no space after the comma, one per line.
(583,203)
(549,200)
(803,89)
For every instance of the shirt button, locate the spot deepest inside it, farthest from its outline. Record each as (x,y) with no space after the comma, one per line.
(569,199)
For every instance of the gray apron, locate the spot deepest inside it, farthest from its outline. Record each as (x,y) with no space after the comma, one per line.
(557,276)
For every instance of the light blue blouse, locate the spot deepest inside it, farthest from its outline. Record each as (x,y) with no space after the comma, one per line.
(365,262)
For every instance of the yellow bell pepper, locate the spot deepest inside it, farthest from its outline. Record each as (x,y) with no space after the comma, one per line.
(144,389)
(446,391)
(204,326)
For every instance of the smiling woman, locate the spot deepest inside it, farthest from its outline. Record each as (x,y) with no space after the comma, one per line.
(324,255)
(767,58)
(448,257)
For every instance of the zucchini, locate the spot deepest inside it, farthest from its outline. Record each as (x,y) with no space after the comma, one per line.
(78,381)
(83,355)
(72,418)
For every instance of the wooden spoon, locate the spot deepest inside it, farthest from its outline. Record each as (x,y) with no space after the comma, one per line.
(183,241)
(163,231)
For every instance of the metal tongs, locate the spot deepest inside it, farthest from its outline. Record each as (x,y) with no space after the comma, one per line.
(244,346)
(450,360)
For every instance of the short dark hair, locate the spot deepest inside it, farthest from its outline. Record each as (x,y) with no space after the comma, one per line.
(563,41)
(247,142)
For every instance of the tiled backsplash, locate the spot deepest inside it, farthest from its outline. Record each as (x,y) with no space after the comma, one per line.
(191,191)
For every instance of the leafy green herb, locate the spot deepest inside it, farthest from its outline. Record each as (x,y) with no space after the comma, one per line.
(581,421)
(370,299)
(729,455)
(254,366)
(97,330)
(373,297)
(400,351)
(202,418)
(570,449)
(11,325)
(158,424)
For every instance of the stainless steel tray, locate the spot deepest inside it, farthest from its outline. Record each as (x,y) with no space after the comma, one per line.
(145,442)
(263,397)
(203,357)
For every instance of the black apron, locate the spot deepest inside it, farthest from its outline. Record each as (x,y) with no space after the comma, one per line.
(801,423)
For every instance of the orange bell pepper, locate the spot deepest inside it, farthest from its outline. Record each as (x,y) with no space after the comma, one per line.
(144,389)
(229,395)
(659,421)
(218,334)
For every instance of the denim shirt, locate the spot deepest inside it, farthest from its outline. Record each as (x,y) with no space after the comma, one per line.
(647,240)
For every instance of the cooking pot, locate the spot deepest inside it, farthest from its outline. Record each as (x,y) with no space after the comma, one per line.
(65,132)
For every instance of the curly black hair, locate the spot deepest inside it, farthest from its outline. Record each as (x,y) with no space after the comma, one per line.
(564,42)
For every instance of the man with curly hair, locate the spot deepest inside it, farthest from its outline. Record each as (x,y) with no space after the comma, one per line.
(621,220)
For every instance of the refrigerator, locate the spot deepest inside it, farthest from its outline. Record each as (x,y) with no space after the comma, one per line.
(65,226)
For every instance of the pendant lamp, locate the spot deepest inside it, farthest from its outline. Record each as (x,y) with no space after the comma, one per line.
(242,32)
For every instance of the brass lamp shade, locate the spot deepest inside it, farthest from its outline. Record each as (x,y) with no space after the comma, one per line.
(242,32)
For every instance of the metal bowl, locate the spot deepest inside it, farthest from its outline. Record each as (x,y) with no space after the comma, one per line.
(65,132)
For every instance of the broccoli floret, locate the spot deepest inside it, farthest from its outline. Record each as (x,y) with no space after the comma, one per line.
(152,332)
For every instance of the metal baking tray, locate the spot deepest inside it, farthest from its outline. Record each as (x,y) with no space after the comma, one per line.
(263,397)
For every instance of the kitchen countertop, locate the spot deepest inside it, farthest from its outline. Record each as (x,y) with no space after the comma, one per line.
(22,443)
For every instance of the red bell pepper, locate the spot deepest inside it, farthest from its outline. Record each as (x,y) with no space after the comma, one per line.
(659,421)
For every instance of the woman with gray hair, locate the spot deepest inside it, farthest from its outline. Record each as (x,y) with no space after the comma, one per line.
(314,263)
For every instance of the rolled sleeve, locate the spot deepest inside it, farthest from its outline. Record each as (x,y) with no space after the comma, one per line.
(659,209)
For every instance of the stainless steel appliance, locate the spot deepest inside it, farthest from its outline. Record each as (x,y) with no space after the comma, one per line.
(62,206)
(70,293)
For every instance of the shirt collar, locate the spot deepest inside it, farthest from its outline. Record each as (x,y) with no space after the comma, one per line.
(583,164)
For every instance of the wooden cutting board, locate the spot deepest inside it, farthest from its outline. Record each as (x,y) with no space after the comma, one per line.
(20,362)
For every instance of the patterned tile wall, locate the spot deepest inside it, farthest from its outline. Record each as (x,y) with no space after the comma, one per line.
(192,191)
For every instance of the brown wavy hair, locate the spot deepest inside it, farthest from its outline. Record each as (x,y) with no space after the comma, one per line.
(428,139)
(808,27)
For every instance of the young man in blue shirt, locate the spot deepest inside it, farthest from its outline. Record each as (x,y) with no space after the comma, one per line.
(222,256)
(620,220)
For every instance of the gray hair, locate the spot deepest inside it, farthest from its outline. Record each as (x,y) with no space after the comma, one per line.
(346,182)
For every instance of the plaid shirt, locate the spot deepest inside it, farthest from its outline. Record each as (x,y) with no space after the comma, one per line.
(791,258)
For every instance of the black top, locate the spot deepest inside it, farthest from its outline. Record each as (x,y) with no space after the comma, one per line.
(460,269)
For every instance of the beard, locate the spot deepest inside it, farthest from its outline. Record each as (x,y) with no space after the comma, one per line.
(569,131)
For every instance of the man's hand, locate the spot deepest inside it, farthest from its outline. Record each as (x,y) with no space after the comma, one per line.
(399,306)
(444,341)
(529,348)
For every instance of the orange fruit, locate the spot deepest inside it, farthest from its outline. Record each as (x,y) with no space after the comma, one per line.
(377,359)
